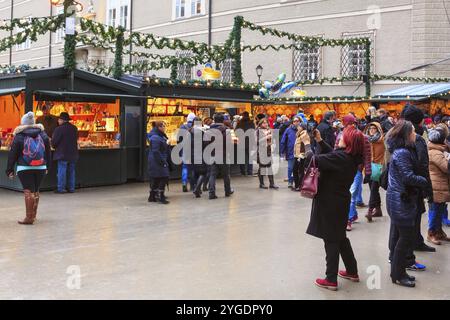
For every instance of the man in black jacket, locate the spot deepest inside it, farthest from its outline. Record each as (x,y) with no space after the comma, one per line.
(220,157)
(416,116)
(65,142)
(246,124)
(326,130)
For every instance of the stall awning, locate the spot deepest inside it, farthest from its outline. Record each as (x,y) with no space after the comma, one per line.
(5,92)
(45,95)
(416,92)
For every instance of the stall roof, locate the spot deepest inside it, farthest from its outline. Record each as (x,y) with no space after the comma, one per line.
(89,77)
(4,92)
(82,96)
(416,92)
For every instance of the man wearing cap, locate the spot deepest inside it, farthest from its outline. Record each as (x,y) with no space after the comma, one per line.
(49,121)
(65,142)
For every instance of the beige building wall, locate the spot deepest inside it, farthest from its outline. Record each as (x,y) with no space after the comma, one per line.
(406,33)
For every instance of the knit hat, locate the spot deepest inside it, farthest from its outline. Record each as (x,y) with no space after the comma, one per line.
(28,119)
(191,116)
(428,121)
(412,113)
(348,120)
(436,135)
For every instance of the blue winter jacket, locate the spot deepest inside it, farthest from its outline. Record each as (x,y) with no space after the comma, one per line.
(158,155)
(404,187)
(288,142)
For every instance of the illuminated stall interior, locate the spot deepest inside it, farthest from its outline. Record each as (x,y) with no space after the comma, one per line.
(174,111)
(11,111)
(315,109)
(98,123)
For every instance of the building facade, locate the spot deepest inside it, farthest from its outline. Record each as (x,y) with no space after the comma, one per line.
(405,34)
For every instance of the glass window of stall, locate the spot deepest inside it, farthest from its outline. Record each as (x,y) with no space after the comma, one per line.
(12,108)
(98,123)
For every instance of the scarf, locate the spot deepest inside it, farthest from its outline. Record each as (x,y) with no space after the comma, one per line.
(375,137)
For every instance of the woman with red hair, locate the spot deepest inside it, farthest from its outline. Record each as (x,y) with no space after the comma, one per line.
(329,213)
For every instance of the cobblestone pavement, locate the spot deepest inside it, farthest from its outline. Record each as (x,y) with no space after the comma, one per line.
(250,246)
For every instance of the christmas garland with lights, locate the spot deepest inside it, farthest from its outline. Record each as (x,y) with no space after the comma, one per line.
(7,69)
(313,99)
(313,41)
(377,77)
(30,30)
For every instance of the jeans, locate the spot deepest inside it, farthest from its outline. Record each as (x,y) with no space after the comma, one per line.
(375,199)
(445,216)
(401,250)
(186,175)
(342,248)
(291,163)
(355,190)
(246,169)
(435,214)
(215,169)
(66,176)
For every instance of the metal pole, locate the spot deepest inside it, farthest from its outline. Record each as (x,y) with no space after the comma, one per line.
(50,41)
(131,29)
(11,32)
(210,23)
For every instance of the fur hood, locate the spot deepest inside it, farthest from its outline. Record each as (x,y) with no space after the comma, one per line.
(22,128)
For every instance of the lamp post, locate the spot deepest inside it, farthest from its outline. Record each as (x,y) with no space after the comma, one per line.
(259,72)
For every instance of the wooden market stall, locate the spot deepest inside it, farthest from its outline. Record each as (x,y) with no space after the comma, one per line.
(108,113)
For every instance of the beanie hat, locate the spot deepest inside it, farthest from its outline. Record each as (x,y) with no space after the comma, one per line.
(436,135)
(428,121)
(348,120)
(191,117)
(413,114)
(28,119)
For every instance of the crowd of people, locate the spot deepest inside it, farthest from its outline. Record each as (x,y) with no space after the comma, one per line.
(408,156)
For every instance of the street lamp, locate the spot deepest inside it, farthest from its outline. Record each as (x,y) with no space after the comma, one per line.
(259,72)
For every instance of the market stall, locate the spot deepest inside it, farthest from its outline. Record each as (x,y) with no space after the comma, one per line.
(172,103)
(431,98)
(109,115)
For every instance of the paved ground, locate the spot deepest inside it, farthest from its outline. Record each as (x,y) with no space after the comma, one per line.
(250,246)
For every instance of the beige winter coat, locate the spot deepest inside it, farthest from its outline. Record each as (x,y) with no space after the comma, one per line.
(439,172)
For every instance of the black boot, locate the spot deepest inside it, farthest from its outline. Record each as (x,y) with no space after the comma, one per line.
(198,187)
(272,183)
(152,196)
(162,198)
(261,182)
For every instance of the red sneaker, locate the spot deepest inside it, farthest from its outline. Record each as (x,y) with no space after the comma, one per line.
(351,277)
(349,226)
(324,283)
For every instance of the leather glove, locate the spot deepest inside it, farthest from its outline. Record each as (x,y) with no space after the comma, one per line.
(367,178)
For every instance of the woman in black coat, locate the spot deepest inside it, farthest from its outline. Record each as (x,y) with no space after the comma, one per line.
(329,213)
(158,163)
(405,187)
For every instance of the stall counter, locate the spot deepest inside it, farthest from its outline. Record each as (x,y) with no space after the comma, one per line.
(96,167)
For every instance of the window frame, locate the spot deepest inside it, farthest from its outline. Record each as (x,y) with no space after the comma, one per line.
(24,45)
(188,6)
(358,34)
(320,52)
(114,16)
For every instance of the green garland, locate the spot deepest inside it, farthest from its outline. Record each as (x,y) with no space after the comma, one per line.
(24,23)
(236,51)
(313,99)
(313,41)
(7,69)
(118,59)
(30,31)
(377,77)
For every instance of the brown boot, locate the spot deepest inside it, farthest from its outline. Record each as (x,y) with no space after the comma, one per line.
(377,213)
(36,205)
(433,237)
(29,207)
(441,235)
(369,214)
